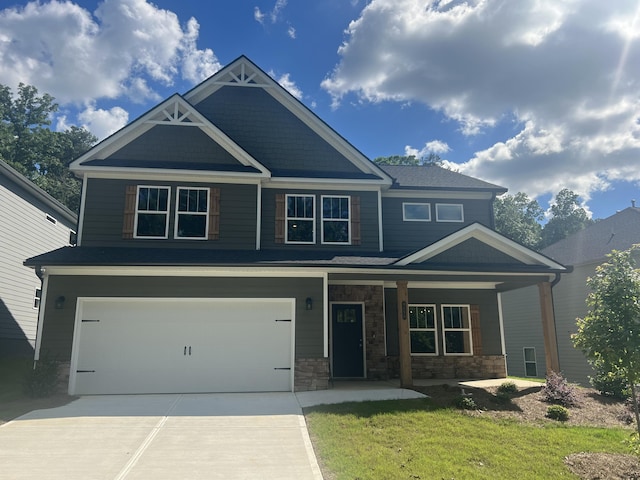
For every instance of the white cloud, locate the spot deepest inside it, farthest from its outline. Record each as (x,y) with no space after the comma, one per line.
(285,81)
(258,16)
(275,16)
(565,70)
(291,32)
(434,146)
(120,49)
(103,123)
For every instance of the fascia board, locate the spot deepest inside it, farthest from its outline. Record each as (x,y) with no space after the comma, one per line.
(306,182)
(163,174)
(431,194)
(485,235)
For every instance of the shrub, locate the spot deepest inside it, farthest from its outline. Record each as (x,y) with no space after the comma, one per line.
(503,397)
(42,380)
(611,384)
(558,412)
(558,391)
(466,403)
(508,388)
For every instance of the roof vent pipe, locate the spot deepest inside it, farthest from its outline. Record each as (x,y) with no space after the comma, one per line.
(633,203)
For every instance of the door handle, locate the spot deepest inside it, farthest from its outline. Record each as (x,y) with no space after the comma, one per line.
(189,350)
(185,350)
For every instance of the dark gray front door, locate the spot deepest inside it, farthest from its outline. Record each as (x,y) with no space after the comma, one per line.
(347,341)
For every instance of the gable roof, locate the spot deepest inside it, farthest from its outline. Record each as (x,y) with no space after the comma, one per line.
(491,238)
(617,232)
(434,177)
(61,210)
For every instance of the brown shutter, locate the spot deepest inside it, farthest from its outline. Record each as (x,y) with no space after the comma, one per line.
(128,222)
(214,214)
(355,220)
(280,220)
(476,337)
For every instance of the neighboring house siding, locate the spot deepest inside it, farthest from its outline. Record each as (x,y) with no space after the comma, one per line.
(404,235)
(486,299)
(104,213)
(523,329)
(272,134)
(25,232)
(58,330)
(369,231)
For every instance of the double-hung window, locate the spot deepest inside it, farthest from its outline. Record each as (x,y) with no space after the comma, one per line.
(456,330)
(152,212)
(422,329)
(530,365)
(300,219)
(192,213)
(336,219)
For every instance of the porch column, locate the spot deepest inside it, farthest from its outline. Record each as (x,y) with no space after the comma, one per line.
(549,327)
(406,379)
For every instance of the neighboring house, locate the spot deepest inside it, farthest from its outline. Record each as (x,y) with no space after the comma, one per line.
(230,240)
(584,251)
(32,222)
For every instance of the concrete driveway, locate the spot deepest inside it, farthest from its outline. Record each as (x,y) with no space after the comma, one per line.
(197,436)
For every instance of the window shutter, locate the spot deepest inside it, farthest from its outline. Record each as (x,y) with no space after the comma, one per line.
(355,220)
(128,222)
(475,330)
(214,214)
(280,220)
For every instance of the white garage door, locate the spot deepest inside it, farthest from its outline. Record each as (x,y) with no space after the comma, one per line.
(182,346)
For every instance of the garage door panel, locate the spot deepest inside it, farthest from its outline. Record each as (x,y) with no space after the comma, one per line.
(178,345)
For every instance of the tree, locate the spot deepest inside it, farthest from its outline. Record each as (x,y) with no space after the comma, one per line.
(567,218)
(31,147)
(609,335)
(518,218)
(430,159)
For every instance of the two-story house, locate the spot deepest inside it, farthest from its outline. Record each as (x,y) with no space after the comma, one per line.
(31,222)
(230,240)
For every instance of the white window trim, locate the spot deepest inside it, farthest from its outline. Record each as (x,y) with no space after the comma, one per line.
(404,216)
(434,330)
(450,205)
(445,330)
(535,361)
(166,226)
(348,220)
(37,299)
(205,214)
(287,218)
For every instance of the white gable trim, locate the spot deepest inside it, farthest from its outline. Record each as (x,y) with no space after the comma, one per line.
(487,236)
(173,111)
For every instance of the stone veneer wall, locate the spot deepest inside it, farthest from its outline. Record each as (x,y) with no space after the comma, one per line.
(484,366)
(373,298)
(311,374)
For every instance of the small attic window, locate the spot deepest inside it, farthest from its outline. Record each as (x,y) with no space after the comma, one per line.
(51,219)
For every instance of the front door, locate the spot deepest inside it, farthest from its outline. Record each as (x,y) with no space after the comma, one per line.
(347,340)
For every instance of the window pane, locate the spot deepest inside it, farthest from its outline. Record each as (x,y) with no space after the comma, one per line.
(202,200)
(413,317)
(337,232)
(449,213)
(335,207)
(529,355)
(530,369)
(300,231)
(423,342)
(151,225)
(457,342)
(194,226)
(163,199)
(417,211)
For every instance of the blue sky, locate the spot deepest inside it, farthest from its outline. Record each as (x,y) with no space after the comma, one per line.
(534,95)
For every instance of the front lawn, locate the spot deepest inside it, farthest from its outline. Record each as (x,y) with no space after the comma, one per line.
(416,439)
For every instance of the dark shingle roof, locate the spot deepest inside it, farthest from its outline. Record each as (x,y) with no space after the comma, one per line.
(617,232)
(433,177)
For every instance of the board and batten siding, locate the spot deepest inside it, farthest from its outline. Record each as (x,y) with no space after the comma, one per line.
(399,235)
(104,214)
(25,233)
(369,233)
(57,335)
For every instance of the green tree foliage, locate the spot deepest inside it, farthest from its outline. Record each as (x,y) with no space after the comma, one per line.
(430,159)
(610,332)
(31,147)
(518,217)
(567,218)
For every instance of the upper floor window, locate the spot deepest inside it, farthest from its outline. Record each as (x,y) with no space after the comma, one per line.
(152,212)
(416,212)
(456,328)
(449,212)
(300,219)
(192,213)
(37,297)
(335,220)
(422,329)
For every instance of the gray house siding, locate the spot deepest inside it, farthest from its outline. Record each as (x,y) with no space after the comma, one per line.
(26,232)
(57,335)
(405,235)
(104,213)
(523,329)
(486,299)
(369,231)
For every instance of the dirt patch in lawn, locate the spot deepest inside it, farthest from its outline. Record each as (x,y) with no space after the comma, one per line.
(528,405)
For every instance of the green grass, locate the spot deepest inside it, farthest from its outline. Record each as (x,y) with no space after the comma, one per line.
(529,379)
(413,439)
